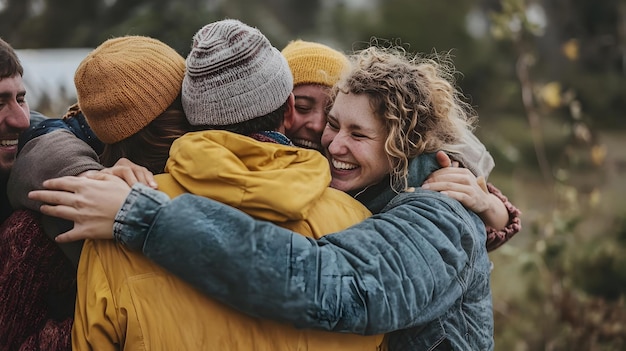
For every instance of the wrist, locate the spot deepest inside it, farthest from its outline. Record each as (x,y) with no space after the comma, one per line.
(495,215)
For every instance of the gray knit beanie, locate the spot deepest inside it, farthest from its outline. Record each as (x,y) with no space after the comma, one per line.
(234,74)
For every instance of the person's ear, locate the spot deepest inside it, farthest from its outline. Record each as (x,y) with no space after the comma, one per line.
(289,112)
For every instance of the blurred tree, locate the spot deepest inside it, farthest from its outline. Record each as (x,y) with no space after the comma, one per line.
(297,16)
(585,48)
(70,23)
(76,23)
(427,25)
(573,281)
(13,15)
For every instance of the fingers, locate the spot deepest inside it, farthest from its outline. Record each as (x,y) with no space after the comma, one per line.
(443,159)
(122,172)
(131,173)
(461,197)
(53,197)
(69,236)
(86,173)
(451,174)
(142,174)
(69,213)
(102,176)
(146,177)
(124,162)
(448,187)
(91,202)
(68,183)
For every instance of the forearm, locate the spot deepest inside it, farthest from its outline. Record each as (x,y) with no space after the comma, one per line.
(197,255)
(362,280)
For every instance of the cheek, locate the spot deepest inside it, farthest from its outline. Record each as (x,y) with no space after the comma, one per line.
(381,162)
(298,119)
(319,119)
(327,137)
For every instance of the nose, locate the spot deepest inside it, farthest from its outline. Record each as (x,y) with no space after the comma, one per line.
(317,123)
(338,145)
(18,116)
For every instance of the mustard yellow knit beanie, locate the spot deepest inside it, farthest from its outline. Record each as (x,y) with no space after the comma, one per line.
(125,83)
(314,63)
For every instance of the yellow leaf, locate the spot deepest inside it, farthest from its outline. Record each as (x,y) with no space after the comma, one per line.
(571,49)
(551,94)
(598,154)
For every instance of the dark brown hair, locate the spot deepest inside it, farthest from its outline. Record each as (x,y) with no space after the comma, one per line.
(150,146)
(9,63)
(269,122)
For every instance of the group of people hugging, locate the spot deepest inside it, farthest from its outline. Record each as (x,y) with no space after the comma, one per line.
(247,198)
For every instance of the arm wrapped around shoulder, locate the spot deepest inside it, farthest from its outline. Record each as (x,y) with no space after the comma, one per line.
(401,268)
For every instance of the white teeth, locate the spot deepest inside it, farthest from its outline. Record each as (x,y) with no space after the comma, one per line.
(343,165)
(306,143)
(8,142)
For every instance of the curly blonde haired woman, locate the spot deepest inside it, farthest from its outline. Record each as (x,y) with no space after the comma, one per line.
(391,113)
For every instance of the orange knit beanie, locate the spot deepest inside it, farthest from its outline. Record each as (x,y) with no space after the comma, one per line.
(125,83)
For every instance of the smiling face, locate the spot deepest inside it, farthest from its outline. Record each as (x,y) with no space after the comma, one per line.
(309,116)
(354,143)
(14,118)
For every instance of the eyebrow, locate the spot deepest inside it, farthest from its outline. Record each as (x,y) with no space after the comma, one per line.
(305,97)
(354,126)
(9,94)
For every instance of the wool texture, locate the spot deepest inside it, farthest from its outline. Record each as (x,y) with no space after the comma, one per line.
(314,63)
(127,82)
(234,74)
(32,267)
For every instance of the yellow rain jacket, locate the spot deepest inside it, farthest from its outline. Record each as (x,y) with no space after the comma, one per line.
(125,301)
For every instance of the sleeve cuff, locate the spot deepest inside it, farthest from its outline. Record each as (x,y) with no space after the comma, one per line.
(496,238)
(135,217)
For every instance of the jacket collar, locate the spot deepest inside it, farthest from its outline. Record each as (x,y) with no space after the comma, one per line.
(377,196)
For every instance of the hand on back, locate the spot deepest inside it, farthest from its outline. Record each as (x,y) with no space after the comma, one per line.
(460,184)
(131,173)
(90,201)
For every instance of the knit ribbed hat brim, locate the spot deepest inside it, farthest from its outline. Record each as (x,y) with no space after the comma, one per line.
(314,63)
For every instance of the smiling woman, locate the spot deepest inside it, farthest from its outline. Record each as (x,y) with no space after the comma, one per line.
(315,68)
(354,140)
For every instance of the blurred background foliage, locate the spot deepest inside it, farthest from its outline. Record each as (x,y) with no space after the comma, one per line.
(548,80)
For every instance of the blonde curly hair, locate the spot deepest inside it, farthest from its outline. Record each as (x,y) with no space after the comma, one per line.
(415,97)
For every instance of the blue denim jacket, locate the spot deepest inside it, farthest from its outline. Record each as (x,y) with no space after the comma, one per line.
(418,269)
